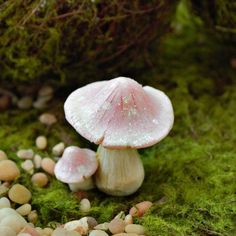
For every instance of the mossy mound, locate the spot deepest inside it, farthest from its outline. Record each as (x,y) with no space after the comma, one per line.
(75,40)
(218,15)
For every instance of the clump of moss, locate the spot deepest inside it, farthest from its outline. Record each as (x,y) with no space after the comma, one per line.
(219,15)
(71,39)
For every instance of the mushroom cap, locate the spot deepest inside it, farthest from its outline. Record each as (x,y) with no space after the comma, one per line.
(120,113)
(75,165)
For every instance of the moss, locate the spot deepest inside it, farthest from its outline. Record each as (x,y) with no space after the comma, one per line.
(78,40)
(219,15)
(190,176)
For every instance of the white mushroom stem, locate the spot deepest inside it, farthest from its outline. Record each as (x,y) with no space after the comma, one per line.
(120,172)
(87,184)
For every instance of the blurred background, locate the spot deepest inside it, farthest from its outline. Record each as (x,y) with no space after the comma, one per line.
(187,48)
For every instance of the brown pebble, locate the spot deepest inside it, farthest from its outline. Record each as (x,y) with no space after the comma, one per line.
(12,172)
(40,179)
(19,194)
(48,165)
(140,209)
(33,217)
(116,226)
(5,102)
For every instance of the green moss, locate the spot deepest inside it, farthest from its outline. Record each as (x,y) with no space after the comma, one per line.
(190,176)
(78,40)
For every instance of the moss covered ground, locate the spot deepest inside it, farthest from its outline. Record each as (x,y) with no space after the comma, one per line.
(190,175)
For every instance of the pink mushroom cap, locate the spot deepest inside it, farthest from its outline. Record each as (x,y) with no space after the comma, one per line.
(120,113)
(75,165)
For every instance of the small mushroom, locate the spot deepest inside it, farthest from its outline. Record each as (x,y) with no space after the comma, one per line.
(121,116)
(76,168)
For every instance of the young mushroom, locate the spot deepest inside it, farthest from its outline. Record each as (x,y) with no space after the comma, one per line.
(121,116)
(76,167)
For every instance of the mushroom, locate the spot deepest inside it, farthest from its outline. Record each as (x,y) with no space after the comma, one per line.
(121,116)
(76,167)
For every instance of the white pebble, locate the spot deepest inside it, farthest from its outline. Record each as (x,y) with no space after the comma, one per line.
(25,103)
(24,234)
(63,232)
(40,103)
(85,205)
(4,202)
(7,231)
(25,153)
(37,161)
(58,149)
(3,155)
(79,225)
(15,222)
(3,190)
(45,91)
(28,166)
(47,119)
(134,228)
(128,219)
(41,142)
(104,226)
(98,233)
(24,209)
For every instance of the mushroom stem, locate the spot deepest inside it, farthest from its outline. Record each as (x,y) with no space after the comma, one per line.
(120,172)
(87,184)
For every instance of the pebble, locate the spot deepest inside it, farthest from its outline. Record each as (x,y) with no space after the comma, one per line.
(103,226)
(126,234)
(91,222)
(134,228)
(40,179)
(4,202)
(128,219)
(19,194)
(7,231)
(12,170)
(58,149)
(48,165)
(41,142)
(3,190)
(85,205)
(116,226)
(24,234)
(25,153)
(98,233)
(29,230)
(47,119)
(3,155)
(40,103)
(37,161)
(45,91)
(33,217)
(48,231)
(15,221)
(28,166)
(80,225)
(63,232)
(24,210)
(140,209)
(25,103)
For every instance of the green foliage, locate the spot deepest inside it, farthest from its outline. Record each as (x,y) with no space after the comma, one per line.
(76,40)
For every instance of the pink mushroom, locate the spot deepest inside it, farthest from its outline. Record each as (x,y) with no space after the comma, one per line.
(121,116)
(76,167)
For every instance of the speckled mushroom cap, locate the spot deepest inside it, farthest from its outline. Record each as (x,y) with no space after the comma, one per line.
(120,113)
(75,165)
